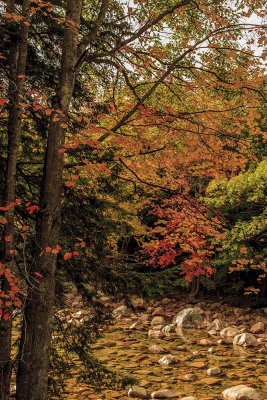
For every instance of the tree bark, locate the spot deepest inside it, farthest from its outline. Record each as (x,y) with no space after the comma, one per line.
(17,67)
(32,376)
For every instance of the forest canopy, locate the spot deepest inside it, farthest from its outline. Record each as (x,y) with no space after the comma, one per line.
(133,159)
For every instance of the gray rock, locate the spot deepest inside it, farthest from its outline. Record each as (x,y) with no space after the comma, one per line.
(163,394)
(245,340)
(189,318)
(241,392)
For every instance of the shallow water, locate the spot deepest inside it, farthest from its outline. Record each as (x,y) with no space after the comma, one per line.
(126,352)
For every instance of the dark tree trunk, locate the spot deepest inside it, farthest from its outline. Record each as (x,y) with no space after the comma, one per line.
(17,66)
(32,376)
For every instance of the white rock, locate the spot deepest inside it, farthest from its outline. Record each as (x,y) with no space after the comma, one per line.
(246,340)
(241,392)
(169,359)
(189,318)
(163,394)
(137,392)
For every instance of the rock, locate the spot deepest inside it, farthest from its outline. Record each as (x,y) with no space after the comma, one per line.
(229,332)
(208,381)
(189,318)
(211,350)
(205,342)
(246,340)
(159,311)
(189,398)
(137,392)
(136,325)
(144,318)
(168,329)
(155,349)
(169,359)
(190,377)
(240,392)
(214,371)
(238,312)
(216,325)
(158,320)
(155,334)
(212,332)
(120,311)
(259,327)
(163,394)
(137,302)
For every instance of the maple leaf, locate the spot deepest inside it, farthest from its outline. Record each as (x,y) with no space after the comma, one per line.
(67,256)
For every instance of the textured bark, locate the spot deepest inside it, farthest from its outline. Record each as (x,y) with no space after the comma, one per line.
(32,376)
(17,66)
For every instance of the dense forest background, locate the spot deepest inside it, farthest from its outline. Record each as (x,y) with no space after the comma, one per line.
(133,160)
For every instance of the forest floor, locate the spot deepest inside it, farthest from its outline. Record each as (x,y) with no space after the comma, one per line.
(204,360)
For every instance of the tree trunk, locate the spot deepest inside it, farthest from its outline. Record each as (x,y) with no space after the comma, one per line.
(32,376)
(17,66)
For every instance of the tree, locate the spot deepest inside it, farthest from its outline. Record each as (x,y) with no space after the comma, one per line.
(17,66)
(144,95)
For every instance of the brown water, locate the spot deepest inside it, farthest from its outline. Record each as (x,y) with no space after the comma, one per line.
(126,352)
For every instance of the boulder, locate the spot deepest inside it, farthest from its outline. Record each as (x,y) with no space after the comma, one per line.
(216,325)
(137,392)
(163,394)
(189,318)
(229,332)
(169,359)
(246,340)
(241,392)
(259,327)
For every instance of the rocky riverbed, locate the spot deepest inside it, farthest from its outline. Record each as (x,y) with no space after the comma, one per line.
(203,351)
